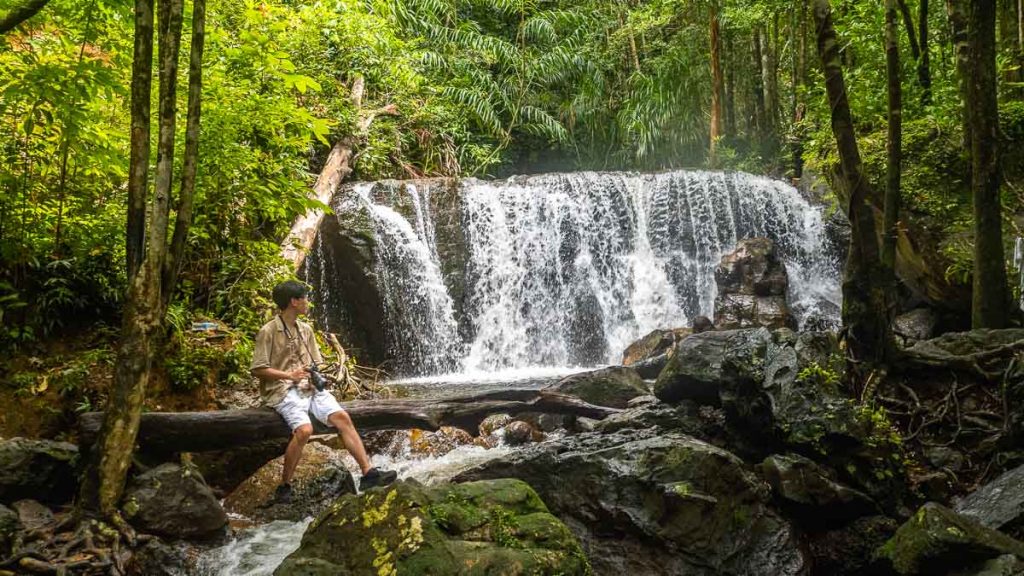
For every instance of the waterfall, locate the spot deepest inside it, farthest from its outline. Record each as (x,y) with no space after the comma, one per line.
(568,269)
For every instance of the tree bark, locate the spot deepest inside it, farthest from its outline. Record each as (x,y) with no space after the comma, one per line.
(20,13)
(168,432)
(138,164)
(894,142)
(865,304)
(730,86)
(990,300)
(759,108)
(908,23)
(190,162)
(956,10)
(924,72)
(716,84)
(771,76)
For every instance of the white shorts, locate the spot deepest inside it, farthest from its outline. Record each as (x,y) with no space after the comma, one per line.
(296,407)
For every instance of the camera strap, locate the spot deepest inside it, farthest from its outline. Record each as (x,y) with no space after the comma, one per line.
(288,335)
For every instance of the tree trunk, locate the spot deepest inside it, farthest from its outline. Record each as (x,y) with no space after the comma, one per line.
(894,143)
(759,108)
(924,72)
(990,301)
(957,12)
(300,238)
(190,163)
(730,86)
(771,76)
(19,14)
(908,23)
(865,303)
(716,84)
(138,164)
(168,432)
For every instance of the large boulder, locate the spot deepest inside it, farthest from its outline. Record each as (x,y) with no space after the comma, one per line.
(998,504)
(752,284)
(704,363)
(174,501)
(613,387)
(319,479)
(489,527)
(40,469)
(225,470)
(656,505)
(655,343)
(937,540)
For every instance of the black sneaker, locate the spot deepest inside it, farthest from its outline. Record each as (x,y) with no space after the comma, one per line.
(283,494)
(376,477)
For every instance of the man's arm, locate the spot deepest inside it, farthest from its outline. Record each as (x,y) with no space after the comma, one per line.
(267,373)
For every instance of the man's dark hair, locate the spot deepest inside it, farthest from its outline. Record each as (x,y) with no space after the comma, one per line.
(285,291)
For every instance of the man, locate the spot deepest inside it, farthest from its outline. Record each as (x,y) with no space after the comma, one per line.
(285,348)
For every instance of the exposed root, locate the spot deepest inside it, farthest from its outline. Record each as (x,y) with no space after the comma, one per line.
(73,546)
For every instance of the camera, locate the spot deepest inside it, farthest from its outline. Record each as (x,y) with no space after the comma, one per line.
(316,378)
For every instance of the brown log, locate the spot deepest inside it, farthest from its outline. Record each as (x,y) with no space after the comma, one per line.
(168,432)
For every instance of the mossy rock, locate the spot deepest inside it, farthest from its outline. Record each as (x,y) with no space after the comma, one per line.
(477,528)
(936,540)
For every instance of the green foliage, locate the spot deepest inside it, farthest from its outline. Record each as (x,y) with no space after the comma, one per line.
(815,374)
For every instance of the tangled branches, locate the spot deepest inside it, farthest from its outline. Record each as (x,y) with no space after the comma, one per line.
(69,546)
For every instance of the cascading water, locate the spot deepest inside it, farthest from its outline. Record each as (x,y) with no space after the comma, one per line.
(568,269)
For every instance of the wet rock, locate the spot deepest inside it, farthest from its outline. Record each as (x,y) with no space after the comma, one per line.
(704,363)
(850,550)
(10,524)
(937,540)
(320,477)
(1005,565)
(174,501)
(40,469)
(489,527)
(493,422)
(752,284)
(653,505)
(918,324)
(655,343)
(944,457)
(438,443)
(998,504)
(518,433)
(156,558)
(811,492)
(702,324)
(32,515)
(613,387)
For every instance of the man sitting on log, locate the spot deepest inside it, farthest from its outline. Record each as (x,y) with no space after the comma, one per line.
(285,350)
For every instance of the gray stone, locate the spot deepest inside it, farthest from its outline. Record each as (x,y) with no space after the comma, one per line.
(937,540)
(10,524)
(40,469)
(703,363)
(656,505)
(918,324)
(655,343)
(812,491)
(998,504)
(174,501)
(614,386)
(32,515)
(752,283)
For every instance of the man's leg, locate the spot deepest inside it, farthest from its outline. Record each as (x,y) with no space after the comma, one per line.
(294,451)
(350,438)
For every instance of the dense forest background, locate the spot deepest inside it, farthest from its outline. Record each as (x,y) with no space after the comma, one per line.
(485,88)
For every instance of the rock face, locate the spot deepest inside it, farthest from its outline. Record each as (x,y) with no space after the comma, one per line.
(937,540)
(998,504)
(812,492)
(319,478)
(174,501)
(648,504)
(490,527)
(613,387)
(705,363)
(654,344)
(752,284)
(39,469)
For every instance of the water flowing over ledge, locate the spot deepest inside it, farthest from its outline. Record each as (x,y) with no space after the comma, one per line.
(549,270)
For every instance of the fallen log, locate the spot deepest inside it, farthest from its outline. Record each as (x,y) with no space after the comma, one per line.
(168,432)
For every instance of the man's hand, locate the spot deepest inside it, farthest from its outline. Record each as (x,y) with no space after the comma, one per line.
(298,374)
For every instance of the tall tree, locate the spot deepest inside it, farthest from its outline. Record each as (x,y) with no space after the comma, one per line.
(990,298)
(716,82)
(924,72)
(158,258)
(20,13)
(956,10)
(865,303)
(894,142)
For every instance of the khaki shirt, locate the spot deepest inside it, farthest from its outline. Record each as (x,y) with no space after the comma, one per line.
(274,349)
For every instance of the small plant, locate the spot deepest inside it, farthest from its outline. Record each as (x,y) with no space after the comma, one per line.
(814,373)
